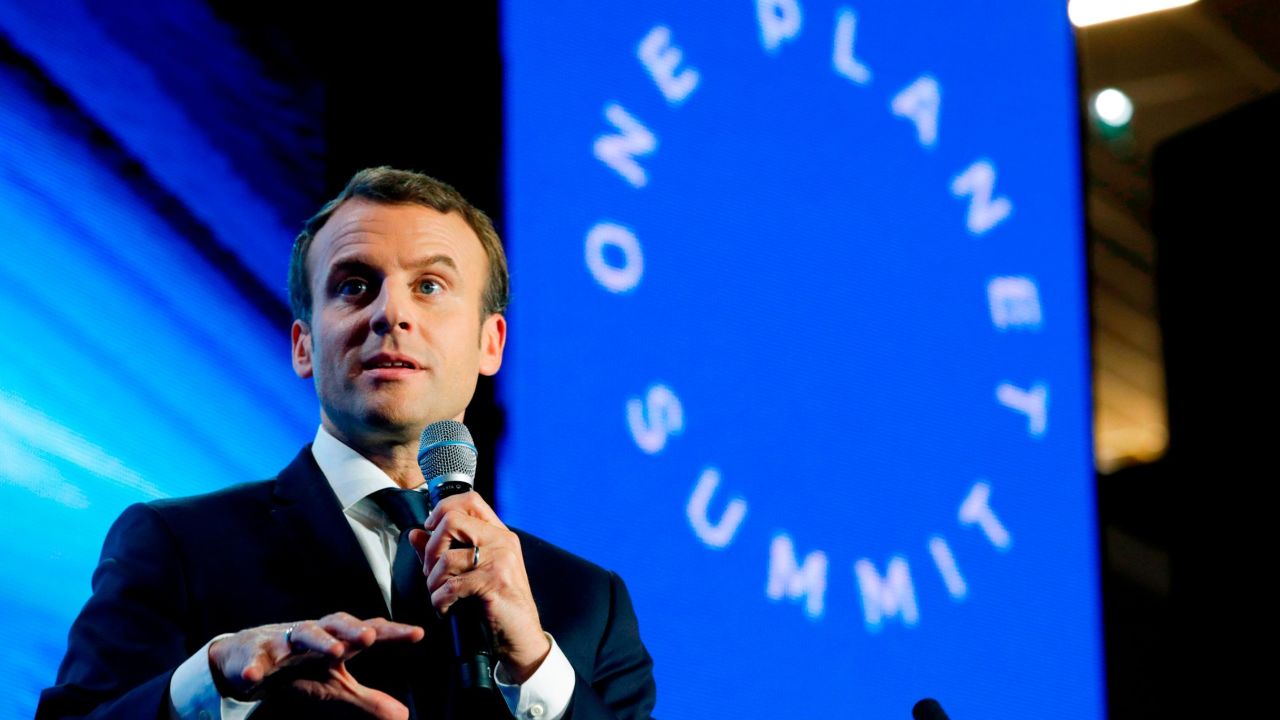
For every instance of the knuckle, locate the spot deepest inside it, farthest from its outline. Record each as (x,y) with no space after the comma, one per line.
(431,550)
(258,657)
(505,576)
(455,585)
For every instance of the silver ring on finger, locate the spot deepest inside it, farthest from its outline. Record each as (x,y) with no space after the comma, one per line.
(475,557)
(288,637)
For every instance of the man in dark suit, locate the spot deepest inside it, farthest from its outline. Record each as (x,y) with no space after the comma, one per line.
(271,598)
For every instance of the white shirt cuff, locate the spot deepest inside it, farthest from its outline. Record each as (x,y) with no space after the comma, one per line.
(193,696)
(546,694)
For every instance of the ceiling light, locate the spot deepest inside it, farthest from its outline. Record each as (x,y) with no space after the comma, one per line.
(1113,107)
(1092,12)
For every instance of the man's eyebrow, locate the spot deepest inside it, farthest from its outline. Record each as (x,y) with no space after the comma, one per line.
(356,264)
(438,259)
(348,265)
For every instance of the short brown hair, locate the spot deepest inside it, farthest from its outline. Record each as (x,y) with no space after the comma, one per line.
(401,187)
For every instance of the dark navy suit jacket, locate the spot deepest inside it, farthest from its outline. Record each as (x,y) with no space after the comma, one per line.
(175,573)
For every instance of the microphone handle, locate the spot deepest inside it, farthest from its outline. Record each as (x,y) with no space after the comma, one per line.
(472,645)
(472,637)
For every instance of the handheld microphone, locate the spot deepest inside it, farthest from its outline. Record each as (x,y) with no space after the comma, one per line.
(447,457)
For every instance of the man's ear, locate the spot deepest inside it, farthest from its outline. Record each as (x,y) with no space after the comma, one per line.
(493,338)
(300,335)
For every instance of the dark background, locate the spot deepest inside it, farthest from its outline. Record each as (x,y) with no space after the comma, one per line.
(415,86)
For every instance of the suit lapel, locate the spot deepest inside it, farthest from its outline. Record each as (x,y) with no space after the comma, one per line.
(317,550)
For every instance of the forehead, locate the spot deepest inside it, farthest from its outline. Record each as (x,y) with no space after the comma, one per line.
(392,235)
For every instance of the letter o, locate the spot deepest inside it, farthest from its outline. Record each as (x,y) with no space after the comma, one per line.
(614,279)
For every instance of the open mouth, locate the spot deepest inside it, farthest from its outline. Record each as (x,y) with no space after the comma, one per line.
(391,364)
(385,364)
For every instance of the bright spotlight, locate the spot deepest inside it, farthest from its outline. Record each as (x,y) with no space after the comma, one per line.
(1113,108)
(1092,12)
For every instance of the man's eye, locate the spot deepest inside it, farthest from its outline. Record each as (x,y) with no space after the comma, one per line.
(429,287)
(351,287)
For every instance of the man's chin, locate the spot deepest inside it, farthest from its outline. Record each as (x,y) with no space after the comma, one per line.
(376,425)
(398,422)
(404,425)
(407,421)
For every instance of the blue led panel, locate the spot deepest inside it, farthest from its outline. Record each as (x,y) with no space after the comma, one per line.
(134,364)
(799,346)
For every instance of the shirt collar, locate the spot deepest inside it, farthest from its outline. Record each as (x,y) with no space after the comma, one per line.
(349,473)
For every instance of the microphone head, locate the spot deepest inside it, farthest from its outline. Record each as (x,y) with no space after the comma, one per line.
(928,709)
(446,452)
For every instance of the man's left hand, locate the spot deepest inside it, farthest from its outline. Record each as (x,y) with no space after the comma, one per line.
(498,580)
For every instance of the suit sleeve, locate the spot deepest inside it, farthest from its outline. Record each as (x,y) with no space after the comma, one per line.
(130,637)
(622,685)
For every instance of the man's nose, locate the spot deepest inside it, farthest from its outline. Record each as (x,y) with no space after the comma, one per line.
(390,311)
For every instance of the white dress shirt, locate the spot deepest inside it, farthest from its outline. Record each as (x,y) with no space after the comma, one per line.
(192,695)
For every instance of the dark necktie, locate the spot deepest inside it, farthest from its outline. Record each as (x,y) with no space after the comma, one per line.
(410,602)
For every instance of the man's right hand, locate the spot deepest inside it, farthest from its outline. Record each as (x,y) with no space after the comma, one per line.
(315,665)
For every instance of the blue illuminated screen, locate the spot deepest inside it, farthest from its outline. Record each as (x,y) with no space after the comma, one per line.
(798,333)
(799,346)
(152,177)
